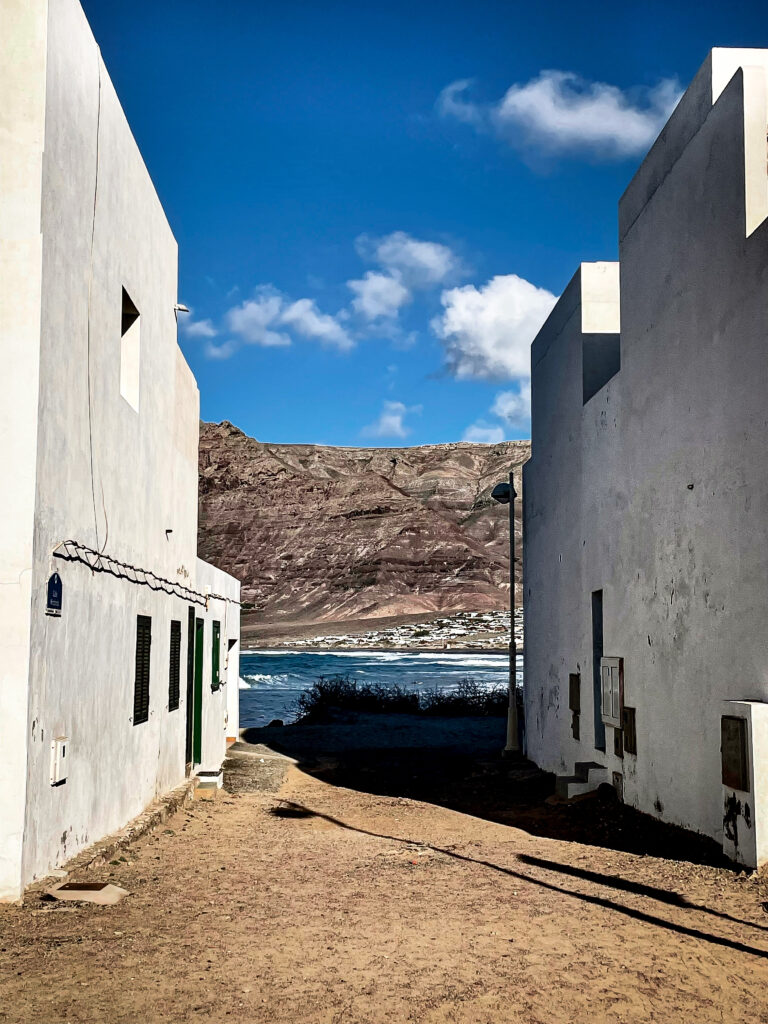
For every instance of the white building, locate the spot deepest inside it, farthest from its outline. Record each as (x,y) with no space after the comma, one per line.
(646,499)
(114,700)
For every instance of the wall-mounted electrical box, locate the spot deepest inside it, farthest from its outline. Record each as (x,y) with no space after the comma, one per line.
(59,751)
(743,756)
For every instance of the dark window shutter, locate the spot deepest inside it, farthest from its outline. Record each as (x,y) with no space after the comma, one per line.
(215,654)
(734,744)
(630,730)
(174,667)
(141,685)
(574,691)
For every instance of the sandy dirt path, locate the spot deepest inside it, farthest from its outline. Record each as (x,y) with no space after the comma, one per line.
(327,905)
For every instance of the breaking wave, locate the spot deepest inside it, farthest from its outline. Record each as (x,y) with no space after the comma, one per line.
(272,680)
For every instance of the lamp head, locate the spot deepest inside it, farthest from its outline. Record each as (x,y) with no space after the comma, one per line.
(503,493)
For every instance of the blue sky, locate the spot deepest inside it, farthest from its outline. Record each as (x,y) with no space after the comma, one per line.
(376,204)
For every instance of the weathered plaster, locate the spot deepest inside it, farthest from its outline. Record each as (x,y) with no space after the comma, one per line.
(22,128)
(86,223)
(656,489)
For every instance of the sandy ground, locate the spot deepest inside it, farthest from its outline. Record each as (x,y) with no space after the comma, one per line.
(319,903)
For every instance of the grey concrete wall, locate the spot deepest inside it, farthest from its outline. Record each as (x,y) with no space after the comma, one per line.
(673,468)
(557,495)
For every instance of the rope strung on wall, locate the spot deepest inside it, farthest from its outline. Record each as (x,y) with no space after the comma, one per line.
(74,551)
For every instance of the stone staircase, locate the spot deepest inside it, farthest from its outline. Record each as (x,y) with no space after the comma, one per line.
(588,775)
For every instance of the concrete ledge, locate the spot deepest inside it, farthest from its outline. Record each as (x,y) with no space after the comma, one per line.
(106,849)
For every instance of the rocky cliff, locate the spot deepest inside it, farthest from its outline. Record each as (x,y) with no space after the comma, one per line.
(328,534)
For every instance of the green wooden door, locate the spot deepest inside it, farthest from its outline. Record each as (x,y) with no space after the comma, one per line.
(197,721)
(215,654)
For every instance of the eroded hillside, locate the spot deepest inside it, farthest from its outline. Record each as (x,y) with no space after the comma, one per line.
(319,534)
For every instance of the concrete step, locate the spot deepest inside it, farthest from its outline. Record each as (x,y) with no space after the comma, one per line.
(207,785)
(588,776)
(563,784)
(591,771)
(205,791)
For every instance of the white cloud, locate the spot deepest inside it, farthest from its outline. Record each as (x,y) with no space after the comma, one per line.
(391,421)
(254,320)
(558,112)
(417,264)
(484,433)
(406,265)
(451,103)
(258,321)
(304,316)
(222,351)
(378,295)
(514,407)
(198,328)
(271,319)
(487,332)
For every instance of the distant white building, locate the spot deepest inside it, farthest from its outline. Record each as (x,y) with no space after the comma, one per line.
(646,499)
(118,647)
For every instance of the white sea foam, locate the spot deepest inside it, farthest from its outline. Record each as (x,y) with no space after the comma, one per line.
(273,652)
(267,679)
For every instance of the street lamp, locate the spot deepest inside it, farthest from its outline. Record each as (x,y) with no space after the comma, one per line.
(505,494)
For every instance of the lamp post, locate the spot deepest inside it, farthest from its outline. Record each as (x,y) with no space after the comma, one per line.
(505,494)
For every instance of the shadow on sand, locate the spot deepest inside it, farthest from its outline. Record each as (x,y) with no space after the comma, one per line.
(545,874)
(457,763)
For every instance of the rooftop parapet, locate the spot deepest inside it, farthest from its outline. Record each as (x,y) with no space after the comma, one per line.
(594,290)
(713,77)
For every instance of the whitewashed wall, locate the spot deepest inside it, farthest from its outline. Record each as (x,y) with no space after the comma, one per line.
(656,490)
(221,721)
(114,478)
(22,127)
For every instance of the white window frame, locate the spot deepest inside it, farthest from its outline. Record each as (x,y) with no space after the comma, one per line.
(612,690)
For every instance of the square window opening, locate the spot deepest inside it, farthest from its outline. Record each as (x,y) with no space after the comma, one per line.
(130,352)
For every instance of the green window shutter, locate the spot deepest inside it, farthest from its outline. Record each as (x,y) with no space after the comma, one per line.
(141,681)
(174,665)
(215,655)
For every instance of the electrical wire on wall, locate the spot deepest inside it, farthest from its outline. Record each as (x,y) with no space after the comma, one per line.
(97,561)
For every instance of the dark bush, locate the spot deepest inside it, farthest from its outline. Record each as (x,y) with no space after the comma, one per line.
(468,698)
(330,694)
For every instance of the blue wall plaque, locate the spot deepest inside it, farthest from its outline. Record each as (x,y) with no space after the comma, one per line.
(53,602)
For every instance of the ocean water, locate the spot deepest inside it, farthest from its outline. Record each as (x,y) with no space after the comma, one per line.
(271,681)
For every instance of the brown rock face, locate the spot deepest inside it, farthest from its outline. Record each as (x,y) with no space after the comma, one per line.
(326,534)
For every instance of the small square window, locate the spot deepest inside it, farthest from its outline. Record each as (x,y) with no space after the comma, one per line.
(130,352)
